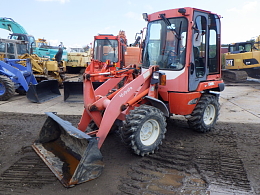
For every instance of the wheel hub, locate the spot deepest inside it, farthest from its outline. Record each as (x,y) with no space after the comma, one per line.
(2,89)
(149,132)
(209,114)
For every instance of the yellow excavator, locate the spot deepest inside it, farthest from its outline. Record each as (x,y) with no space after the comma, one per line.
(241,61)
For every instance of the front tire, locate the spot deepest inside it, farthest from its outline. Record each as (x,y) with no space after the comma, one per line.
(205,115)
(144,129)
(6,88)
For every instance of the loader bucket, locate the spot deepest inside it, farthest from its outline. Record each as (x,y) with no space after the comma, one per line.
(43,91)
(72,155)
(73,91)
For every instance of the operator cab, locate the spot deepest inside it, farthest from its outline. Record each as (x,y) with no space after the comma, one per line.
(183,42)
(24,37)
(11,49)
(106,49)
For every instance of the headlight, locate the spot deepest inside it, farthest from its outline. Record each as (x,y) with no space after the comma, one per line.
(156,75)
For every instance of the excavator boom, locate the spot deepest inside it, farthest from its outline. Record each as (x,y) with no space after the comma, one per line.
(12,26)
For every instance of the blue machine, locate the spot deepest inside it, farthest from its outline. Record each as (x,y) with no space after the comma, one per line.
(15,77)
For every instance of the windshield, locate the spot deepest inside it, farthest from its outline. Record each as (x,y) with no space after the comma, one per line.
(77,50)
(21,49)
(45,45)
(240,47)
(41,44)
(165,44)
(106,49)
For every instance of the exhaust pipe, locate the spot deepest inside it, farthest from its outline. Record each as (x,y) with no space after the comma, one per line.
(43,91)
(72,155)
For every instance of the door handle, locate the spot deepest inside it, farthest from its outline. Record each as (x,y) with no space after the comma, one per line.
(192,68)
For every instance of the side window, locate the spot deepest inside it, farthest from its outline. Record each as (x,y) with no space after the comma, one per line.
(2,47)
(199,43)
(32,41)
(248,47)
(241,48)
(21,49)
(10,48)
(214,44)
(154,43)
(10,51)
(2,50)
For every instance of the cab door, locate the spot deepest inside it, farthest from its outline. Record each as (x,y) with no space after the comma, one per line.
(198,70)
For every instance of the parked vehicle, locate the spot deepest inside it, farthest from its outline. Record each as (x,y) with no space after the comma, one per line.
(242,60)
(181,75)
(15,77)
(109,52)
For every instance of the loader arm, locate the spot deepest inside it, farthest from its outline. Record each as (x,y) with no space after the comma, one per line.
(104,110)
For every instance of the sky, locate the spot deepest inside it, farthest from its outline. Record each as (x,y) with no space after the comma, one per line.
(76,22)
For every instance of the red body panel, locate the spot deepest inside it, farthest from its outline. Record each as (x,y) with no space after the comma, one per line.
(181,103)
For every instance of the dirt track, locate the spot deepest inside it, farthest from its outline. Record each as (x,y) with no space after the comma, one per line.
(224,161)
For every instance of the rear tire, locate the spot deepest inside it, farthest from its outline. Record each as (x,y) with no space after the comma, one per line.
(144,129)
(6,88)
(205,115)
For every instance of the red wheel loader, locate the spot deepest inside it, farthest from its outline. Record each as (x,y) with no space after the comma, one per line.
(181,75)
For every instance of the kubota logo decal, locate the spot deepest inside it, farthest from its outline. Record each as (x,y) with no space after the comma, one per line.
(209,84)
(125,92)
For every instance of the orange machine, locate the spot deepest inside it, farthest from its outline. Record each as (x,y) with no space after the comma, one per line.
(112,51)
(181,75)
(109,53)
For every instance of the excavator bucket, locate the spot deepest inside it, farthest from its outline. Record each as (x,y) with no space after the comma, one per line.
(72,155)
(43,91)
(73,91)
